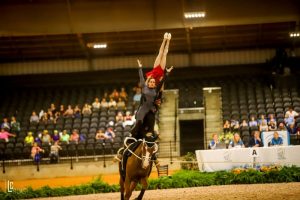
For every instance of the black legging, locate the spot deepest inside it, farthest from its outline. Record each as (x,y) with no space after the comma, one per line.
(140,128)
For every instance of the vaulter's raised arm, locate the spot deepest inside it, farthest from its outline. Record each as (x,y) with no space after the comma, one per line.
(142,79)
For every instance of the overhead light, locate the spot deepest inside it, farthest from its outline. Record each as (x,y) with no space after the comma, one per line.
(191,15)
(97,45)
(295,34)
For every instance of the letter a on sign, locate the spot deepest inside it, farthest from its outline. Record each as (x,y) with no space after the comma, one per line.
(254,153)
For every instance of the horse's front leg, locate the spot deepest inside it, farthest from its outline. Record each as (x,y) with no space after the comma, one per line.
(122,187)
(129,187)
(144,184)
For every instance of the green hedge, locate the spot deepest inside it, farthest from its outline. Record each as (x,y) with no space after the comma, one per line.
(180,179)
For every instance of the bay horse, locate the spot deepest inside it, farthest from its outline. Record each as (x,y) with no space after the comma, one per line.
(138,168)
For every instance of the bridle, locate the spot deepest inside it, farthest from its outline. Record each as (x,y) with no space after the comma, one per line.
(145,143)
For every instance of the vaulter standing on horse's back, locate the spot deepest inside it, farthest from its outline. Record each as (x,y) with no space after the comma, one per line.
(151,92)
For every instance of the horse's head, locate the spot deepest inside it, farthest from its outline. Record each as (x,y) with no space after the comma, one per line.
(149,148)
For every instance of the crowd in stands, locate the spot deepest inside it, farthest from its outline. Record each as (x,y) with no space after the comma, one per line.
(256,127)
(110,112)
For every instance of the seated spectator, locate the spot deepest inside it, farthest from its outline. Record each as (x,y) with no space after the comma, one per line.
(96,104)
(34,118)
(46,138)
(86,110)
(41,114)
(53,109)
(244,124)
(119,117)
(110,134)
(128,119)
(276,140)
(281,127)
(38,139)
(272,126)
(236,142)
(272,119)
(226,126)
(77,112)
(121,104)
(100,135)
(4,135)
(215,140)
(253,122)
(114,95)
(54,152)
(35,152)
(235,125)
(5,124)
(137,97)
(15,125)
(45,119)
(82,137)
(65,137)
(74,136)
(112,103)
(104,103)
(263,127)
(262,120)
(61,110)
(255,141)
(55,136)
(29,139)
(69,112)
(123,94)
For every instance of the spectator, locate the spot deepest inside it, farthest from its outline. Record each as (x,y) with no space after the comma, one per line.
(55,136)
(272,119)
(255,140)
(114,95)
(137,96)
(38,139)
(4,135)
(53,109)
(15,125)
(112,103)
(262,120)
(104,103)
(69,112)
(215,140)
(77,112)
(263,127)
(100,135)
(121,104)
(29,139)
(96,104)
(45,118)
(236,142)
(62,110)
(235,125)
(128,119)
(123,94)
(244,124)
(272,126)
(5,124)
(46,138)
(253,122)
(291,113)
(110,134)
(82,137)
(276,140)
(41,114)
(119,117)
(65,137)
(281,127)
(86,110)
(54,152)
(35,152)
(226,126)
(34,118)
(74,136)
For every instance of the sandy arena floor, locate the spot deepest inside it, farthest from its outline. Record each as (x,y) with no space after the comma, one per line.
(280,191)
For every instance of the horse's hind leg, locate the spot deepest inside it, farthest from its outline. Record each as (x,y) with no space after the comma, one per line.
(144,187)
